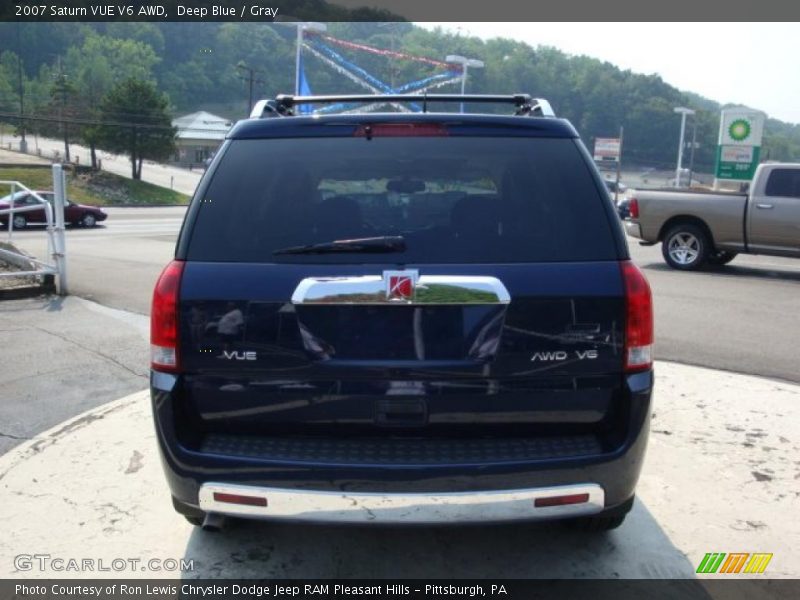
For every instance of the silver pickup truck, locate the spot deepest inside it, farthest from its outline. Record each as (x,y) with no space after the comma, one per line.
(697,228)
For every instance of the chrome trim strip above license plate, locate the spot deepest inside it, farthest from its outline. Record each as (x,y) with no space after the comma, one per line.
(401,288)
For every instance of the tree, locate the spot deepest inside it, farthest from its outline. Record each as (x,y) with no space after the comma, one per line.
(62,94)
(9,92)
(96,64)
(134,121)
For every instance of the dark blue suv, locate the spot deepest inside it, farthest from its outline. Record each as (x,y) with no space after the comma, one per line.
(402,317)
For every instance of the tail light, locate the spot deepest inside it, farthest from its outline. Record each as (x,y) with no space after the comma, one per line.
(633,208)
(401,130)
(164,319)
(638,319)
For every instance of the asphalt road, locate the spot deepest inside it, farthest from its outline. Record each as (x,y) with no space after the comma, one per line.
(744,317)
(177,178)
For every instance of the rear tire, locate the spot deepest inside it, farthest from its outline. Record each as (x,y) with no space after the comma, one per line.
(720,258)
(686,247)
(596,524)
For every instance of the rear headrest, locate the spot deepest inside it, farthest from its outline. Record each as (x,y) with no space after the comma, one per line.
(477,215)
(339,218)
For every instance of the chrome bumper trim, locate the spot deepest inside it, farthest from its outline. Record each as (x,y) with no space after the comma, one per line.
(422,289)
(459,507)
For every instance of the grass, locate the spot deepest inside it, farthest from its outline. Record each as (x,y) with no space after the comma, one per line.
(95,188)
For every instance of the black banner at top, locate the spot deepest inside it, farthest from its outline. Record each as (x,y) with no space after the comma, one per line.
(396,10)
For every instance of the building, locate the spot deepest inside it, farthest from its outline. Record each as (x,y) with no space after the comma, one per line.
(198,137)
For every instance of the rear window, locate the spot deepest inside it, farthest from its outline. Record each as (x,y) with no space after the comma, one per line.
(453,199)
(784,182)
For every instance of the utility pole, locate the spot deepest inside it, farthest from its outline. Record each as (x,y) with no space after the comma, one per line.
(135,173)
(61,86)
(392,26)
(392,33)
(250,79)
(23,143)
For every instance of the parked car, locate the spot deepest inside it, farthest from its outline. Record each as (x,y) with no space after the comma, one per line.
(402,318)
(76,214)
(698,228)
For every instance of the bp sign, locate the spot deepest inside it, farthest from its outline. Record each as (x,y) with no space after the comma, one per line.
(739,145)
(740,130)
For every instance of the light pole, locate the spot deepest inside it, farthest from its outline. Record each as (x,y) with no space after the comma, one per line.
(694,146)
(392,25)
(301,26)
(683,112)
(465,64)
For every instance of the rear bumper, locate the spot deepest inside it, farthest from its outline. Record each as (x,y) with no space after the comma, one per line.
(632,228)
(347,507)
(350,489)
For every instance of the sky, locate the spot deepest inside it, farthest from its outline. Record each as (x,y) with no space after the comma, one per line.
(755,64)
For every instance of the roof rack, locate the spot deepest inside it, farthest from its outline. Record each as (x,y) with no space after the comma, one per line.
(283,104)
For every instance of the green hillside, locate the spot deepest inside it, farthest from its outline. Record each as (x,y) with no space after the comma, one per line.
(99,188)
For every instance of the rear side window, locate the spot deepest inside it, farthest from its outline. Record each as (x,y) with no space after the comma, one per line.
(784,182)
(453,199)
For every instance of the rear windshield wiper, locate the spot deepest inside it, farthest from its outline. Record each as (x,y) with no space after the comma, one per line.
(390,243)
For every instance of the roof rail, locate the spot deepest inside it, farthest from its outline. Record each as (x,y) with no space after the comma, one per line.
(283,104)
(540,108)
(265,108)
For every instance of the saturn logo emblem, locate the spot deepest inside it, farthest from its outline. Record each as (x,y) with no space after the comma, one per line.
(400,285)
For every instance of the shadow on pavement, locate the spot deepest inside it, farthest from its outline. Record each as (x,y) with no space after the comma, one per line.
(54,304)
(248,549)
(732,271)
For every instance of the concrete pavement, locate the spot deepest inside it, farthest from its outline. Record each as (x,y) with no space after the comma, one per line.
(62,356)
(720,476)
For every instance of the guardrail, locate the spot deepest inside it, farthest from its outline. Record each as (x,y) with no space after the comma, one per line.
(54,217)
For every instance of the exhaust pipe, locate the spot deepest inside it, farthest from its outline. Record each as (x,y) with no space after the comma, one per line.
(213,522)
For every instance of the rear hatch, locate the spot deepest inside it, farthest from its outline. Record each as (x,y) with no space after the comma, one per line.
(427,286)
